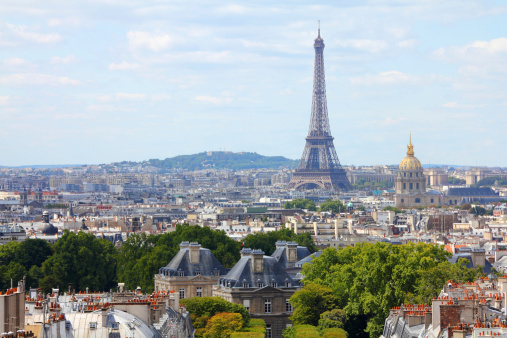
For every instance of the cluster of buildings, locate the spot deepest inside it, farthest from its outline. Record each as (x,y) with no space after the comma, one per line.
(461,310)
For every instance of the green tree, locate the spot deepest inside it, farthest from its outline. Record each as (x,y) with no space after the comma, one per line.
(333,206)
(332,318)
(300,203)
(310,302)
(396,210)
(267,241)
(82,261)
(223,324)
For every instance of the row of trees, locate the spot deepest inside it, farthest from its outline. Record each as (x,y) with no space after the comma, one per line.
(367,280)
(81,260)
(329,205)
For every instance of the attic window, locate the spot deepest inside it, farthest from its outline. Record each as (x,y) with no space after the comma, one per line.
(198,273)
(93,325)
(260,285)
(217,273)
(245,285)
(274,284)
(287,284)
(181,273)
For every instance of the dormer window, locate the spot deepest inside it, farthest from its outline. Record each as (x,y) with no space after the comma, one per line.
(260,285)
(287,284)
(198,273)
(274,284)
(245,285)
(181,273)
(217,273)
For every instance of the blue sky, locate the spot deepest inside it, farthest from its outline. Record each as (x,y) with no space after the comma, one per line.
(109,80)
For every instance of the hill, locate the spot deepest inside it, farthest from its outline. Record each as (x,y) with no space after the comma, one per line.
(223,160)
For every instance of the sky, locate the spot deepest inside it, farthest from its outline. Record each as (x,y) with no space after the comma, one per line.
(99,81)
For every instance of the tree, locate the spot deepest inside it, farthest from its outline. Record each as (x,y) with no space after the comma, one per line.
(369,279)
(310,302)
(82,261)
(267,241)
(223,324)
(333,206)
(300,203)
(332,318)
(396,210)
(478,211)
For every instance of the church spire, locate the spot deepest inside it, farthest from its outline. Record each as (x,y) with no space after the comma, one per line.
(410,147)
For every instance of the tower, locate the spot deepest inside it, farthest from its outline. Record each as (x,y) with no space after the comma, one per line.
(319,166)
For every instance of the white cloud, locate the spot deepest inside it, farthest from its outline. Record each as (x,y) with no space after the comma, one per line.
(214,100)
(22,32)
(4,100)
(370,46)
(14,62)
(153,41)
(62,59)
(473,51)
(383,78)
(462,105)
(233,9)
(124,66)
(37,79)
(161,97)
(130,96)
(70,21)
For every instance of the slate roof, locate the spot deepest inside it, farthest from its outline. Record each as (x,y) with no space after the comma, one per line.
(280,253)
(308,259)
(468,255)
(471,192)
(207,265)
(242,272)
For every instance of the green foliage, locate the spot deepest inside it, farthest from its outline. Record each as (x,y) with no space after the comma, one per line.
(490,181)
(222,325)
(310,302)
(478,211)
(456,181)
(302,330)
(210,306)
(334,333)
(56,206)
(369,279)
(81,261)
(363,185)
(396,210)
(300,203)
(221,160)
(333,318)
(333,206)
(256,325)
(267,241)
(140,256)
(248,335)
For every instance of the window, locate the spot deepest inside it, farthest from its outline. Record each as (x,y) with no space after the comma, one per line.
(417,185)
(260,285)
(432,200)
(402,200)
(287,284)
(198,291)
(268,331)
(217,273)
(417,200)
(411,185)
(274,284)
(267,305)
(181,273)
(246,304)
(404,174)
(410,174)
(198,273)
(404,185)
(182,293)
(245,285)
(288,306)
(416,174)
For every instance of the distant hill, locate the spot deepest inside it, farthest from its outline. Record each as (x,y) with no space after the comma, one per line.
(223,160)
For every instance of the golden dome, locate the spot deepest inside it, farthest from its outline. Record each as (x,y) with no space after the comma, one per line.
(410,162)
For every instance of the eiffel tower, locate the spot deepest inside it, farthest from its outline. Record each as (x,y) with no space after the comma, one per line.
(319,166)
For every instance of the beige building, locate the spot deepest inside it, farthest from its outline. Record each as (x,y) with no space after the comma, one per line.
(12,309)
(436,177)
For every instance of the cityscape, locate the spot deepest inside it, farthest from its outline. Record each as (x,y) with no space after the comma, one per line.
(246,240)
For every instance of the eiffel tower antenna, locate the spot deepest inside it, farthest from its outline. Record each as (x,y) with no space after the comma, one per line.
(319,166)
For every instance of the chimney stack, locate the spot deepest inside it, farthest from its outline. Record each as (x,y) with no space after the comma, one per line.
(194,250)
(258,261)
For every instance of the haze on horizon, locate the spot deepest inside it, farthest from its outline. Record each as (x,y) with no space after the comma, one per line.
(108,80)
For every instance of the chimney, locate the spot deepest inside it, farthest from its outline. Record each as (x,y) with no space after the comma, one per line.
(336,229)
(104,317)
(183,245)
(479,257)
(194,250)
(428,319)
(315,229)
(292,252)
(258,261)
(246,252)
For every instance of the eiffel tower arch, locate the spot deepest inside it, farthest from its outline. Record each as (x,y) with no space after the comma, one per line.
(319,166)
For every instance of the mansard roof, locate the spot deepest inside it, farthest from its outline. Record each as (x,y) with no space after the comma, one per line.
(207,265)
(243,272)
(280,253)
